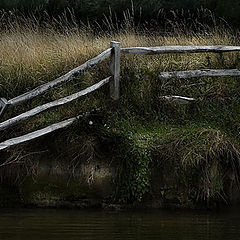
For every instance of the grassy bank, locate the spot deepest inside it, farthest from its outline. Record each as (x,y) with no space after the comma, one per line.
(145,136)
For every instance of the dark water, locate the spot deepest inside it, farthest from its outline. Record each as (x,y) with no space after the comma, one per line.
(75,224)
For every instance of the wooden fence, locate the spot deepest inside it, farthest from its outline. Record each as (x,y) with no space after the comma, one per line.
(114,79)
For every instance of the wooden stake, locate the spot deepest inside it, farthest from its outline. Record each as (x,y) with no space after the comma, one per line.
(3,105)
(115,70)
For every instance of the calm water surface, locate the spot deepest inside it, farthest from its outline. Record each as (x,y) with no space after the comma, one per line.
(75,224)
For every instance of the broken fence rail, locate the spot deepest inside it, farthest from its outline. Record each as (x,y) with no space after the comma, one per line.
(200,73)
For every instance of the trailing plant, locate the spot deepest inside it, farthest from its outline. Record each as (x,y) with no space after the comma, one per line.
(134,171)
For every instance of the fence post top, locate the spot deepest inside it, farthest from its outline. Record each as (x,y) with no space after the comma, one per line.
(114,43)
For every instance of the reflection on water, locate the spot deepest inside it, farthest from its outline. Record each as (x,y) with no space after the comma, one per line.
(76,224)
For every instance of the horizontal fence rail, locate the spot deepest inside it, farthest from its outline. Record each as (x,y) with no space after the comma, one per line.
(114,53)
(200,73)
(179,49)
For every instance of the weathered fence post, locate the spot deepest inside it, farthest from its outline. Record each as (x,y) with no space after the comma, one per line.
(3,105)
(115,70)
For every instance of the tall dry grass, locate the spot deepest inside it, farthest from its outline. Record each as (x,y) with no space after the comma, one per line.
(32,54)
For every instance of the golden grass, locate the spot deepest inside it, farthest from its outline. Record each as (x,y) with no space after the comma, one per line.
(31,55)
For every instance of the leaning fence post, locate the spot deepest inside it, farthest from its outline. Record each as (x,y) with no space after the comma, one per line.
(115,70)
(3,105)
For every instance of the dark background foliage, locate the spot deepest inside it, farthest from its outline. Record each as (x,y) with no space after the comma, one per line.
(143,9)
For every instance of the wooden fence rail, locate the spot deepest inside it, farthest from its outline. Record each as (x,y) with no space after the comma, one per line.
(200,73)
(114,53)
(37,134)
(180,49)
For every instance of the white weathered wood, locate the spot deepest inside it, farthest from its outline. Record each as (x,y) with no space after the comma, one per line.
(115,70)
(12,121)
(179,99)
(63,79)
(179,49)
(30,136)
(3,105)
(200,73)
